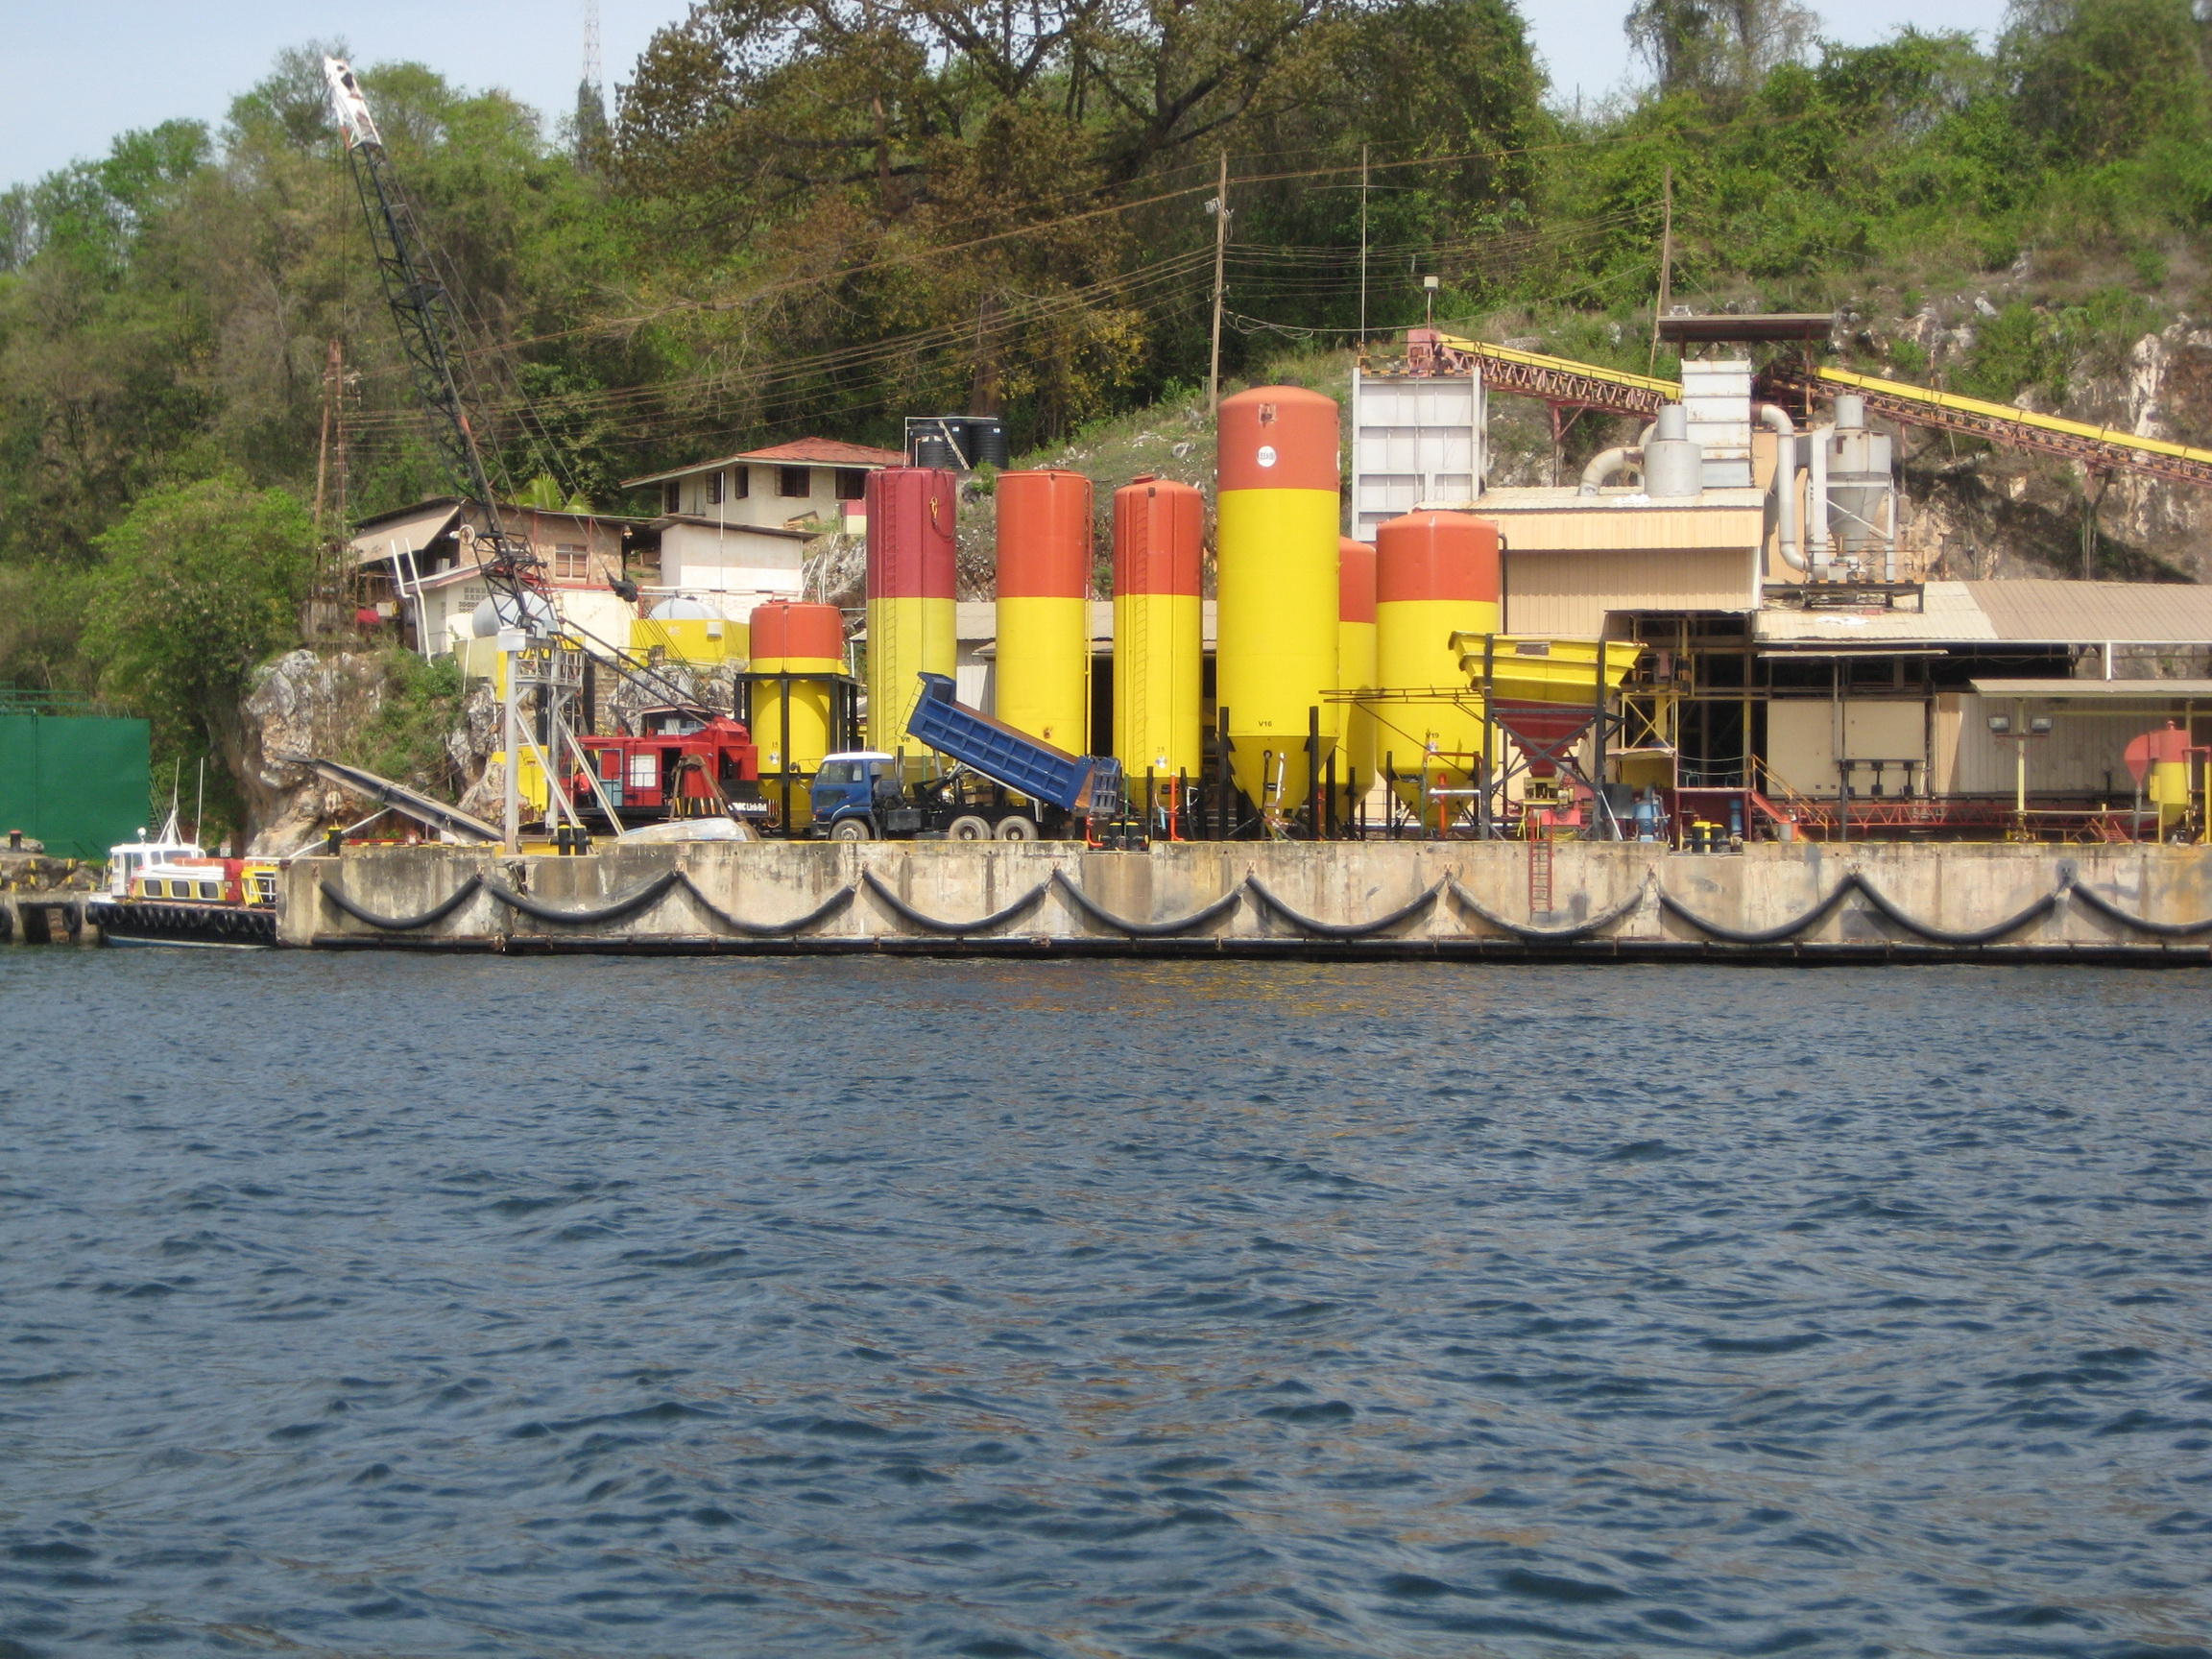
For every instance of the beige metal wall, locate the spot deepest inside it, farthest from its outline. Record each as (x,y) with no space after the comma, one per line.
(1806,734)
(2085,753)
(1568,593)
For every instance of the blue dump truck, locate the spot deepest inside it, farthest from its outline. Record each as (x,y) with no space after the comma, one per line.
(1004,784)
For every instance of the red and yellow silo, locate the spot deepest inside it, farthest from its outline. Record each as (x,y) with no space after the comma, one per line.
(1355,663)
(1276,598)
(1436,574)
(911,617)
(1043,667)
(1159,647)
(794,720)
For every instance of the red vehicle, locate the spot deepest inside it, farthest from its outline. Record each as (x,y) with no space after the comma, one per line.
(683,763)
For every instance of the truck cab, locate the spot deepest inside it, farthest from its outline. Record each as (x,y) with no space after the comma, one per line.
(844,793)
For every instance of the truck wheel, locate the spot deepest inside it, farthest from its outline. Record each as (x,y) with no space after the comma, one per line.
(967,828)
(852,829)
(1017,828)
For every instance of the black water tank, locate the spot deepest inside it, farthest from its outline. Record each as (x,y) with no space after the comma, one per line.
(986,440)
(931,448)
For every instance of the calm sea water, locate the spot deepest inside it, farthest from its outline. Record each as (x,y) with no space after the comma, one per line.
(383,1306)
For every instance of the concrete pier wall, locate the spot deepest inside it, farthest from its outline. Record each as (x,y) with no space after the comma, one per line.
(1803,901)
(55,918)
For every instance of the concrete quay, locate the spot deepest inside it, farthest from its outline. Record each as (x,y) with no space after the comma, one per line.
(47,917)
(1607,901)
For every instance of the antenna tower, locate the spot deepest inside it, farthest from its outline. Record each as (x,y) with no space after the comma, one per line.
(591,47)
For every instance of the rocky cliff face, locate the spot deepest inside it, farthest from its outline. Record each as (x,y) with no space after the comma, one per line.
(304,703)
(1986,511)
(320,703)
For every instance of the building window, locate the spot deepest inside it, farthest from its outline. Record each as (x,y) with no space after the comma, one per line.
(570,562)
(672,497)
(714,488)
(794,481)
(742,477)
(851,483)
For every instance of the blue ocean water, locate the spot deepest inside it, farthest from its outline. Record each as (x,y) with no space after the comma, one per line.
(381,1306)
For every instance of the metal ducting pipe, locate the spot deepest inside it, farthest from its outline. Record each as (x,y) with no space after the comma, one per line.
(1777,419)
(1606,463)
(1818,548)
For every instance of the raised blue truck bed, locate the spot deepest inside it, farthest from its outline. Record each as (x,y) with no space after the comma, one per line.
(1085,785)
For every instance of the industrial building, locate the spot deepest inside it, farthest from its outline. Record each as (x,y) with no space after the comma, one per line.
(1759,646)
(1795,672)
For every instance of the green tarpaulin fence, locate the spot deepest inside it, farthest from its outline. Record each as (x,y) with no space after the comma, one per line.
(79,782)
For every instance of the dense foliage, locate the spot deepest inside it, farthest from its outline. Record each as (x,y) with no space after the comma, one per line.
(815,215)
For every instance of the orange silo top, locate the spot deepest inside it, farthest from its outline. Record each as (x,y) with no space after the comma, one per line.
(1354,580)
(911,523)
(782,631)
(1278,438)
(1044,535)
(1159,538)
(1438,556)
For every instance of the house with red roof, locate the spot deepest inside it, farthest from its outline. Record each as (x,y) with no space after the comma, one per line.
(733,531)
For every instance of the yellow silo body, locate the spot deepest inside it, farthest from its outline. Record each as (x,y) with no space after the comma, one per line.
(1356,663)
(1158,648)
(1276,597)
(1436,576)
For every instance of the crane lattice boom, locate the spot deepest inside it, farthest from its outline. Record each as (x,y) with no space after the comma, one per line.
(424,313)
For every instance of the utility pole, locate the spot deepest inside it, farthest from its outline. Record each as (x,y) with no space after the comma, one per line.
(1362,246)
(332,369)
(1219,209)
(1666,268)
(328,584)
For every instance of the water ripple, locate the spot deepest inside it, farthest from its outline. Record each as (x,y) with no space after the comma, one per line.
(568,1307)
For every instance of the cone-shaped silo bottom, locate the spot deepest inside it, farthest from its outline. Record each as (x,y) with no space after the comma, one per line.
(1355,764)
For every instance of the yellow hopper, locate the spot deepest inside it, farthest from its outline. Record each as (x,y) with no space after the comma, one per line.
(1523,669)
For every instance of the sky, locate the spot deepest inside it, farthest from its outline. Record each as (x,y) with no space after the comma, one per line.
(73,75)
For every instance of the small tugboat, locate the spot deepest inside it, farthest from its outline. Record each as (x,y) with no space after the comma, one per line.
(167,891)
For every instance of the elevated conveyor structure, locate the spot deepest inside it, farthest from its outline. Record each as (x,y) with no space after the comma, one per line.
(1557,380)
(2102,449)
(1562,381)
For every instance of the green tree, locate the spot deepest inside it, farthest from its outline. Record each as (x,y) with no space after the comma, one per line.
(1719,46)
(202,583)
(2098,79)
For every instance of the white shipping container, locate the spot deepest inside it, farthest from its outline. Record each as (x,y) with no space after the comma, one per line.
(1415,439)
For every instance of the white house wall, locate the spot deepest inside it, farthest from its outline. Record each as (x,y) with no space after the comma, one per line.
(695,559)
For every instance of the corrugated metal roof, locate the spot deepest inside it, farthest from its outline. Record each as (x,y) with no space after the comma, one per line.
(800,452)
(2037,611)
(2099,690)
(827,452)
(1947,616)
(406,532)
(2046,611)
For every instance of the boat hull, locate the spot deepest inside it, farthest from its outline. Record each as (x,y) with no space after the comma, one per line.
(151,922)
